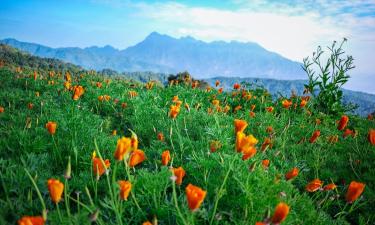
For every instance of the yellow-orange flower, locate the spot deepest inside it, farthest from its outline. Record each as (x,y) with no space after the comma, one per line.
(248,152)
(292,173)
(78,92)
(329,187)
(125,188)
(343,122)
(240,125)
(195,196)
(160,136)
(2,109)
(215,102)
(245,143)
(371,136)
(173,111)
(236,86)
(136,157)
(280,214)
(217,83)
(51,127)
(165,157)
(286,103)
(314,185)
(179,173)
(303,103)
(314,136)
(266,144)
(147,223)
(31,220)
(55,188)
(123,148)
(97,166)
(265,163)
(269,109)
(354,191)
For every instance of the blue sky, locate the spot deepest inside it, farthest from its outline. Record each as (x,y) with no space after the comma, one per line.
(292,28)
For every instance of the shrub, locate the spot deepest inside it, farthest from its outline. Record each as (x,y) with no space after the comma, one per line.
(326,80)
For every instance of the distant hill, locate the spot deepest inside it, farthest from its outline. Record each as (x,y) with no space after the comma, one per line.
(165,54)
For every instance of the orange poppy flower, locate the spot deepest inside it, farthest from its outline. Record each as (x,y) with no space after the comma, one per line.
(195,196)
(194,84)
(248,152)
(329,187)
(280,214)
(124,105)
(371,136)
(147,223)
(292,173)
(35,75)
(240,125)
(97,166)
(252,114)
(354,191)
(237,108)
(303,103)
(175,98)
(348,132)
(269,129)
(236,86)
(260,223)
(2,109)
(68,77)
(266,144)
(269,109)
(343,122)
(179,173)
(132,94)
(114,132)
(77,92)
(51,127)
(370,117)
(220,90)
(244,142)
(31,220)
(286,103)
(160,136)
(333,139)
(315,136)
(30,105)
(174,110)
(165,157)
(98,84)
(214,146)
(265,163)
(55,188)
(123,148)
(217,83)
(125,188)
(314,185)
(215,102)
(136,157)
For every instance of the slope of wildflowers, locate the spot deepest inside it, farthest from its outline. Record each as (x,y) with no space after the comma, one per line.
(81,148)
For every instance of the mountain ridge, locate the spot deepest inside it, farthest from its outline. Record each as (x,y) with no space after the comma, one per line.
(166,54)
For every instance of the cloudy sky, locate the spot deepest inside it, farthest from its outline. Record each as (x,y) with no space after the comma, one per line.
(291,28)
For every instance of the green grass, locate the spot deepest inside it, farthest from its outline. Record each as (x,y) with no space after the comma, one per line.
(245,197)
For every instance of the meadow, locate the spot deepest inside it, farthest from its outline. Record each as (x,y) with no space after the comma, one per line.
(81,148)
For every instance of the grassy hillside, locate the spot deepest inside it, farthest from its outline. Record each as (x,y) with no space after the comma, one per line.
(243,179)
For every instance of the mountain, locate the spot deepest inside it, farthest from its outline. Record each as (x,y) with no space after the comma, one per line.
(165,54)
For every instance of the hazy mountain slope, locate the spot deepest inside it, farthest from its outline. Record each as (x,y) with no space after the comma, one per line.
(162,53)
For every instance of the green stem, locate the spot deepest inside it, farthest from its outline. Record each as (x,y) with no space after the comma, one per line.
(176,203)
(218,196)
(66,198)
(38,193)
(58,211)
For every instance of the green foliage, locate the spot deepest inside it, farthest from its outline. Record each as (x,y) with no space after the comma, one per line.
(326,81)
(238,191)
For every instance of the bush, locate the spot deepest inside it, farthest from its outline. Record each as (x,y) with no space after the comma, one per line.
(326,80)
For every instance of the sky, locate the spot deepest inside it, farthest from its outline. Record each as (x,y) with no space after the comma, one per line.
(291,28)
